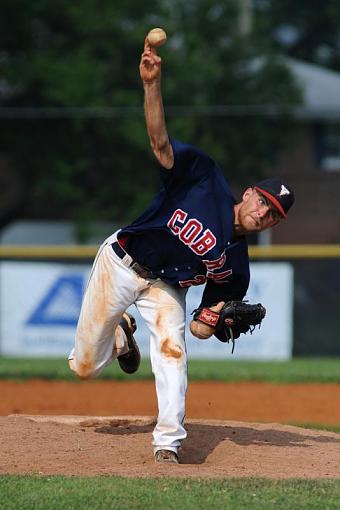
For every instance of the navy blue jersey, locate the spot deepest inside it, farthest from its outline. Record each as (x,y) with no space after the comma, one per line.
(186,235)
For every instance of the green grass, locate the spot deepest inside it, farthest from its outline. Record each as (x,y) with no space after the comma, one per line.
(299,370)
(94,493)
(316,426)
(41,493)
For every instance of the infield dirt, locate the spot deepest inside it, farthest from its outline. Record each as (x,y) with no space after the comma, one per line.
(105,428)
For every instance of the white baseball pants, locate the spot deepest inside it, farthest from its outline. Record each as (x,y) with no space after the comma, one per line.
(111,289)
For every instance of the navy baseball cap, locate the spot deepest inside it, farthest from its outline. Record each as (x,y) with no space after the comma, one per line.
(278,192)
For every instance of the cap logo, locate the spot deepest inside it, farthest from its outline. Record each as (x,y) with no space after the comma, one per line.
(283,191)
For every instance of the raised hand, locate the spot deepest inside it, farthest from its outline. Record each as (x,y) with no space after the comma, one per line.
(150,64)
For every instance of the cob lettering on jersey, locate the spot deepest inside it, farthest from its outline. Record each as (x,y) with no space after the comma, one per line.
(191,232)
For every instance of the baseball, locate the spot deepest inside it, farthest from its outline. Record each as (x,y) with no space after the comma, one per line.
(156,37)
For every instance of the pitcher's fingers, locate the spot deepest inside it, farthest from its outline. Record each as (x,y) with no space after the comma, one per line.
(150,49)
(150,58)
(147,45)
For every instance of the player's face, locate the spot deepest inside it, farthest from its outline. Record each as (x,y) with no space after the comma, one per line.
(256,212)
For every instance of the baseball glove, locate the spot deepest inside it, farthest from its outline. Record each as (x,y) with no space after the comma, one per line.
(229,321)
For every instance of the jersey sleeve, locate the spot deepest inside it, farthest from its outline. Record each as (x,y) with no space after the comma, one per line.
(235,284)
(232,290)
(190,164)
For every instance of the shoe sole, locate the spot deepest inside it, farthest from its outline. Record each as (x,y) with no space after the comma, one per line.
(170,460)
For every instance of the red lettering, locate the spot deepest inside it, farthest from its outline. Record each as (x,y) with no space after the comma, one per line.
(212,265)
(204,243)
(219,276)
(197,280)
(178,216)
(191,230)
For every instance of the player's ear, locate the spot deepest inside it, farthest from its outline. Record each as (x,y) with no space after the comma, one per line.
(246,194)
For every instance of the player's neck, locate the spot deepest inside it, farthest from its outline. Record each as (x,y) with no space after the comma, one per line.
(238,229)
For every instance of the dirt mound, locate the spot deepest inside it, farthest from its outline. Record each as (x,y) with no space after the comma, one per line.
(90,445)
(245,401)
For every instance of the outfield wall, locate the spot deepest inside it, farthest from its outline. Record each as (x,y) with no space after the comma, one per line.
(41,290)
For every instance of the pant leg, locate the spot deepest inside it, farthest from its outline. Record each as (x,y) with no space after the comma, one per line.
(111,289)
(163,309)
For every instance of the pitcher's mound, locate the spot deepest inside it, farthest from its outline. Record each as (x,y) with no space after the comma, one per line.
(89,446)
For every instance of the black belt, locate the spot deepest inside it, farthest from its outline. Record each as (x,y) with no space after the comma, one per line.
(142,271)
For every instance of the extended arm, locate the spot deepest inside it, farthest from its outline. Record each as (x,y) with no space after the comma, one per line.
(150,72)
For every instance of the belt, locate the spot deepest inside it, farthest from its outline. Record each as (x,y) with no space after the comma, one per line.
(142,271)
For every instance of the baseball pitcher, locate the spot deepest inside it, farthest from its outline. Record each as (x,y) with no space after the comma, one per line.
(193,233)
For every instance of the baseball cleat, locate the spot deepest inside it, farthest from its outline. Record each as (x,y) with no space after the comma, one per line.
(166,456)
(130,361)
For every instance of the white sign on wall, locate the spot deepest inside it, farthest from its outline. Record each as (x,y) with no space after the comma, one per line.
(40,304)
(39,307)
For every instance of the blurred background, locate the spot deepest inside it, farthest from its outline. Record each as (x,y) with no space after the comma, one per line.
(255,83)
